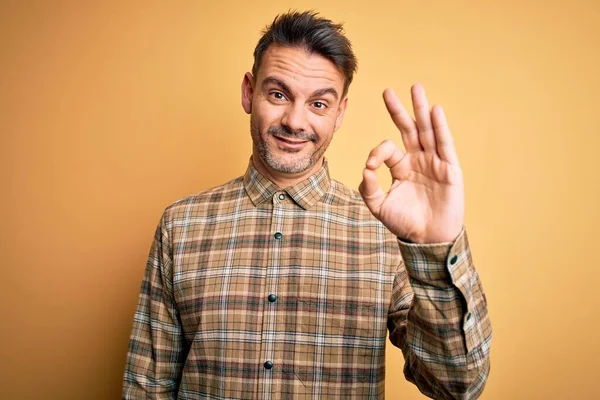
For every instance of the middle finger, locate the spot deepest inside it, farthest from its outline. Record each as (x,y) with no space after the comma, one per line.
(423,117)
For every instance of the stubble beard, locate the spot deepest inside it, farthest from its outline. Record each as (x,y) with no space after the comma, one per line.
(280,163)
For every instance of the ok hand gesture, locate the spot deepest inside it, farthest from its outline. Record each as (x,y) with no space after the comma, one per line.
(425,203)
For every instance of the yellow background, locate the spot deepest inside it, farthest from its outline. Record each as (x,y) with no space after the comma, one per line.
(111,111)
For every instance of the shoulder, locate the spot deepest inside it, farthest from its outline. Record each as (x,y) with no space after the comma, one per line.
(349,205)
(205,202)
(342,195)
(349,202)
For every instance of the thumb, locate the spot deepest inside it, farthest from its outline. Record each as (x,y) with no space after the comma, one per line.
(370,191)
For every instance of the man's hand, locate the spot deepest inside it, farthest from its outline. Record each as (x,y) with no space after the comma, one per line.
(425,203)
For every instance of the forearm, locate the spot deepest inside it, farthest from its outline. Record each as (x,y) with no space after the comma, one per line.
(446,340)
(154,363)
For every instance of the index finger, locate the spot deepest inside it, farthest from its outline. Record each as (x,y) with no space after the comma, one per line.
(403,121)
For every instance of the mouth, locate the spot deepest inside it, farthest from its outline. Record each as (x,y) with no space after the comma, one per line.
(291,144)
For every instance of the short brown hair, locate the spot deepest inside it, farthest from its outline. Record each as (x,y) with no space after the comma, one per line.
(315,35)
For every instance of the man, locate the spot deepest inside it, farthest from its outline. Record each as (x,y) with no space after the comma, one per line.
(283,283)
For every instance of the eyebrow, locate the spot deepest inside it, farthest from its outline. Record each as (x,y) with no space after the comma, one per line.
(286,88)
(323,92)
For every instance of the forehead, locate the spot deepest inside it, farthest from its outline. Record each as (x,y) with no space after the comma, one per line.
(300,70)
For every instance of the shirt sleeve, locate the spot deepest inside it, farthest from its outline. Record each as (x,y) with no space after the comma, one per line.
(156,347)
(438,317)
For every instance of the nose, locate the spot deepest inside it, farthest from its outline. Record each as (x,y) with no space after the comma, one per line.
(294,118)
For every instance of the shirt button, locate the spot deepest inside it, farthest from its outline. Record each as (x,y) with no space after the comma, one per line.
(453,260)
(268,364)
(272,298)
(281,196)
(278,235)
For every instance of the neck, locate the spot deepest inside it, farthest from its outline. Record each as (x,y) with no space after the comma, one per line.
(282,179)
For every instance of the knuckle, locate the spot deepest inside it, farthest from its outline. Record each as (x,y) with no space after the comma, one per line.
(387,144)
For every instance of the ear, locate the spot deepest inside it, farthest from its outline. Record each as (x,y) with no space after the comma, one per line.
(340,114)
(247,92)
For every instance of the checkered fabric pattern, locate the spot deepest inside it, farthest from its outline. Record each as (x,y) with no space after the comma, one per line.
(256,292)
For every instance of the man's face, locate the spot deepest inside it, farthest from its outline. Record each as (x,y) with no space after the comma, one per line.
(295,105)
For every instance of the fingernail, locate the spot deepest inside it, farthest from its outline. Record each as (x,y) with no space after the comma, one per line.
(371,161)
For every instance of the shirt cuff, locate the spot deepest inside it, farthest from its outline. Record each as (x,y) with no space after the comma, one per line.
(438,264)
(446,266)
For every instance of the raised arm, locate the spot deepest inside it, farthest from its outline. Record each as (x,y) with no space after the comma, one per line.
(438,314)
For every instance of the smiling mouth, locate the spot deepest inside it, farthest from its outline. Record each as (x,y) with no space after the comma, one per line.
(290,143)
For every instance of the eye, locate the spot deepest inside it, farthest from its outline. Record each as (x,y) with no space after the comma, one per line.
(278,95)
(320,105)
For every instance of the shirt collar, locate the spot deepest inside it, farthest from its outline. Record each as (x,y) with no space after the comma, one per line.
(305,193)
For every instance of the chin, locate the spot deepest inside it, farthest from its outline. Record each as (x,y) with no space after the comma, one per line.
(284,162)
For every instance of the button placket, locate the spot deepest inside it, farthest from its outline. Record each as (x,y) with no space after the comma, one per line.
(271,286)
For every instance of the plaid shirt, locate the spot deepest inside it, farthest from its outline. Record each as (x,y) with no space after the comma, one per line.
(252,292)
